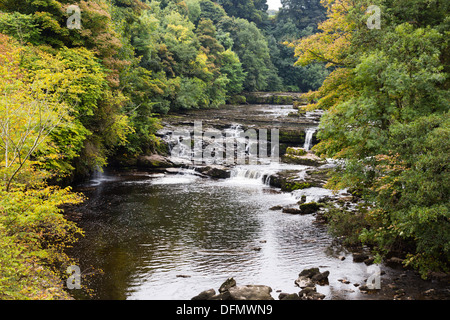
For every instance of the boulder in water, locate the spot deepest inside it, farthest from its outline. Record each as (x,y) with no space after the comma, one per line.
(312,276)
(229,291)
(215,171)
(154,161)
(310,294)
(288,296)
(229,283)
(309,159)
(292,211)
(205,295)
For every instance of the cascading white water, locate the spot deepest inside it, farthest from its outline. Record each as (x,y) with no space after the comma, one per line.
(252,174)
(260,174)
(309,133)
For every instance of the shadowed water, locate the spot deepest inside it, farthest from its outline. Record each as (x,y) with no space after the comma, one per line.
(173,236)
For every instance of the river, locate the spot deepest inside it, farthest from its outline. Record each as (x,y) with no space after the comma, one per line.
(169,236)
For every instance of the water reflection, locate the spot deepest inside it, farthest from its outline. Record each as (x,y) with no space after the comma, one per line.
(173,236)
(145,232)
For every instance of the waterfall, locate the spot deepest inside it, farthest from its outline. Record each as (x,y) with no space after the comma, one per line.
(309,133)
(98,177)
(252,174)
(234,131)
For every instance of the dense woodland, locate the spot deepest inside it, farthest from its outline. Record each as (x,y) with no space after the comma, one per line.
(74,99)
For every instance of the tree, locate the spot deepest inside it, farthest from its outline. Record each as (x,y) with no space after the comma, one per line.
(387,118)
(101,124)
(305,13)
(29,112)
(294,77)
(253,51)
(233,70)
(253,11)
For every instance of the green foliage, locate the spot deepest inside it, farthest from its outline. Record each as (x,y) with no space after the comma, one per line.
(304,13)
(289,185)
(33,238)
(251,10)
(232,69)
(284,29)
(387,117)
(253,51)
(296,151)
(348,225)
(21,26)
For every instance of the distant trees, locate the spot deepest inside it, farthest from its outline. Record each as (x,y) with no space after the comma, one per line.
(252,48)
(303,13)
(251,10)
(296,19)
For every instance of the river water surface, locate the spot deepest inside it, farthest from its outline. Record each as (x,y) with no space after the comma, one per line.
(171,236)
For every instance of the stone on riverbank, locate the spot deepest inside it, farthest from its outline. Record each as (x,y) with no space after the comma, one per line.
(205,295)
(229,291)
(359,257)
(215,171)
(308,159)
(312,276)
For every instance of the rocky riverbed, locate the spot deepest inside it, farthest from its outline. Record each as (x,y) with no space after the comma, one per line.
(176,228)
(377,286)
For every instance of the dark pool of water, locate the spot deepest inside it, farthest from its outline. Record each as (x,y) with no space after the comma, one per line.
(170,237)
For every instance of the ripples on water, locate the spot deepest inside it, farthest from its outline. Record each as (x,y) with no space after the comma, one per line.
(173,236)
(169,237)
